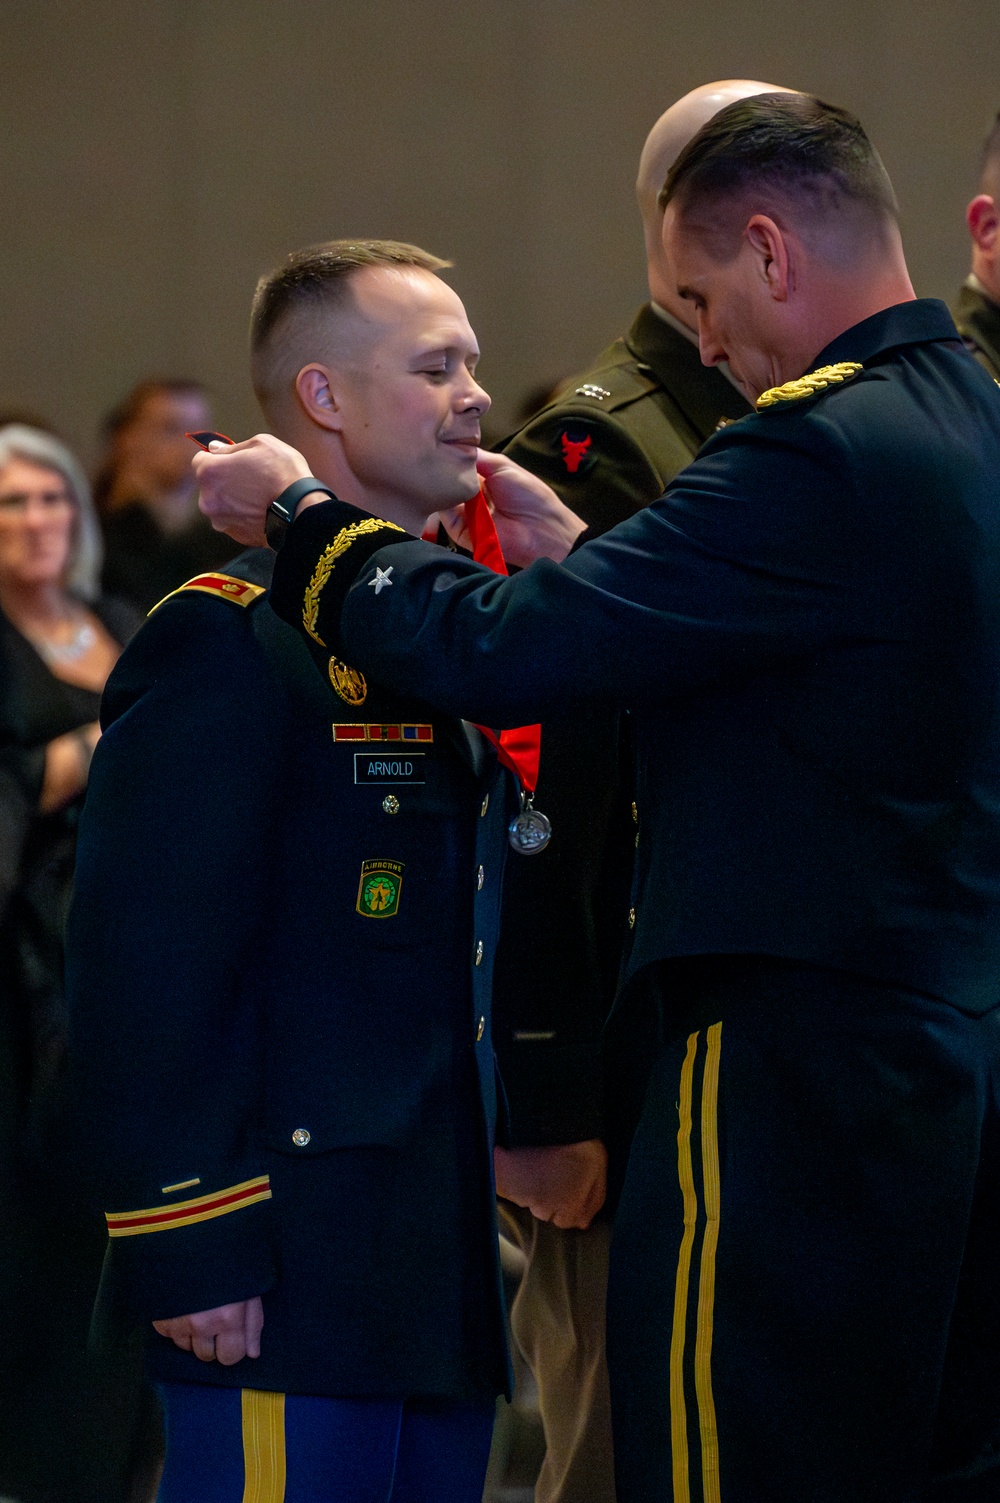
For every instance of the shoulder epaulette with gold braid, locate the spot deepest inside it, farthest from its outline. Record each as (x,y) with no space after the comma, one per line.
(236,591)
(808,386)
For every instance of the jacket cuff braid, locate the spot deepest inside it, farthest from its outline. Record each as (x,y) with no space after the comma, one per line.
(326,548)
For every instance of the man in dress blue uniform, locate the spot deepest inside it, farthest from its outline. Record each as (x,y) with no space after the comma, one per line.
(281,943)
(807,625)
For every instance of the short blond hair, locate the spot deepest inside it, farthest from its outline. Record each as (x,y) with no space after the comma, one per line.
(315,281)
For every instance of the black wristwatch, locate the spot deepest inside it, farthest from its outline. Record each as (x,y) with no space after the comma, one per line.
(281,511)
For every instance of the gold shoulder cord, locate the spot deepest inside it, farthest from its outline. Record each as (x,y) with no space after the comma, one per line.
(808,386)
(324,568)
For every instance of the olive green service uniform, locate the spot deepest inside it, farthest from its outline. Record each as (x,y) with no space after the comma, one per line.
(622,430)
(977,318)
(609,446)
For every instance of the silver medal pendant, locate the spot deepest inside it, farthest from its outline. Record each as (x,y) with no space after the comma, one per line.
(529,831)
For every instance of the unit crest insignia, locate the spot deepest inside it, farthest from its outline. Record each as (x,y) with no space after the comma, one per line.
(576,444)
(348,682)
(809,385)
(379,888)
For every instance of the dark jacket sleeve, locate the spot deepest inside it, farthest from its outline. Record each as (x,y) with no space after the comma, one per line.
(169,891)
(742,563)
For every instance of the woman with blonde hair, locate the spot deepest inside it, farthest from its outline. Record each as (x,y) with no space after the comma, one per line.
(58,642)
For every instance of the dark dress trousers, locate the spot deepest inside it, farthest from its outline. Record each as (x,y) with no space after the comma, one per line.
(281,940)
(807,627)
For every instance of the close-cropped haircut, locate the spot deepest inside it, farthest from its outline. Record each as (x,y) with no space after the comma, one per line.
(989,167)
(788,145)
(316,281)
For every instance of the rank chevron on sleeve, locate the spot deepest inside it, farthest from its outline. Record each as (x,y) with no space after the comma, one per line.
(187,1212)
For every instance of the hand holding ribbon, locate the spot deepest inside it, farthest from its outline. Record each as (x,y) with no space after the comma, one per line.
(519,748)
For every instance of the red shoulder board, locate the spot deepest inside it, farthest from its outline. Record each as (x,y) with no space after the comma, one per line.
(236,591)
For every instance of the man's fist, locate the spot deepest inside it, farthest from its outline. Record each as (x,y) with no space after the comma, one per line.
(238,482)
(530,519)
(226,1335)
(565,1184)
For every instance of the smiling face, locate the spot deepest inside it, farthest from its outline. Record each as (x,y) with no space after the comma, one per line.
(37,518)
(401,393)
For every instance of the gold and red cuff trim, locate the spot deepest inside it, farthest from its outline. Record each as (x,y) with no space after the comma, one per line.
(187,1212)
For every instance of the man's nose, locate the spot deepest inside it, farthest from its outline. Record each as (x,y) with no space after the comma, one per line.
(474,398)
(710,346)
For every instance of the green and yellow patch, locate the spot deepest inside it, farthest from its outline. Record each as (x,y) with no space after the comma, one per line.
(379,888)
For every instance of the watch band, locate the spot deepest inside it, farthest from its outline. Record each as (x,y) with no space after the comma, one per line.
(281,511)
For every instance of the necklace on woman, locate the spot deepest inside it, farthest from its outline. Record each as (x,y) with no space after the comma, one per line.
(58,653)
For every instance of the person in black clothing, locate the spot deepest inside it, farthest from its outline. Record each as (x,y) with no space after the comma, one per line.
(154,535)
(58,641)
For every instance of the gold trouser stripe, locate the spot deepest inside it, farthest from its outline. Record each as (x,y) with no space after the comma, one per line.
(263,1446)
(706,1286)
(685,1174)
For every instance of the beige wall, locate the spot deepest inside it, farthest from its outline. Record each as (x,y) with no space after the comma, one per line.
(157,154)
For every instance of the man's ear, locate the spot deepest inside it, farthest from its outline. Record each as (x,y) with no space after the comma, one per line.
(983,220)
(316,389)
(772,255)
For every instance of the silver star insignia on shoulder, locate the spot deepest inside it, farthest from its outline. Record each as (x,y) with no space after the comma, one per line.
(381,580)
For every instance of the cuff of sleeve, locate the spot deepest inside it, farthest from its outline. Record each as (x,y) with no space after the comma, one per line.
(184,1270)
(326,548)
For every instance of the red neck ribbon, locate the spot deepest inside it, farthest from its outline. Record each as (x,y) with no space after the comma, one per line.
(520,748)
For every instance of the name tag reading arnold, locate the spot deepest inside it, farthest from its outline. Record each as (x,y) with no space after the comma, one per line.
(371,767)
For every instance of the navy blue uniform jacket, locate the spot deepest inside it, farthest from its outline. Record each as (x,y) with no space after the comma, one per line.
(807,625)
(279,960)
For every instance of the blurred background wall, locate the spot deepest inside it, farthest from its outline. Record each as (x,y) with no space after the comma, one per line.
(156,155)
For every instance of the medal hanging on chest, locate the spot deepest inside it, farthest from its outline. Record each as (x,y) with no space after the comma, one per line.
(529,832)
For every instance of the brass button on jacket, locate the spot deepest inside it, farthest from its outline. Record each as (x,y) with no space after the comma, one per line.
(301,1136)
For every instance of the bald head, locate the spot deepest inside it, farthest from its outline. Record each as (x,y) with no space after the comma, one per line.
(664,144)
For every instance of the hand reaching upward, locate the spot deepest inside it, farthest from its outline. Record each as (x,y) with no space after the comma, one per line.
(530,519)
